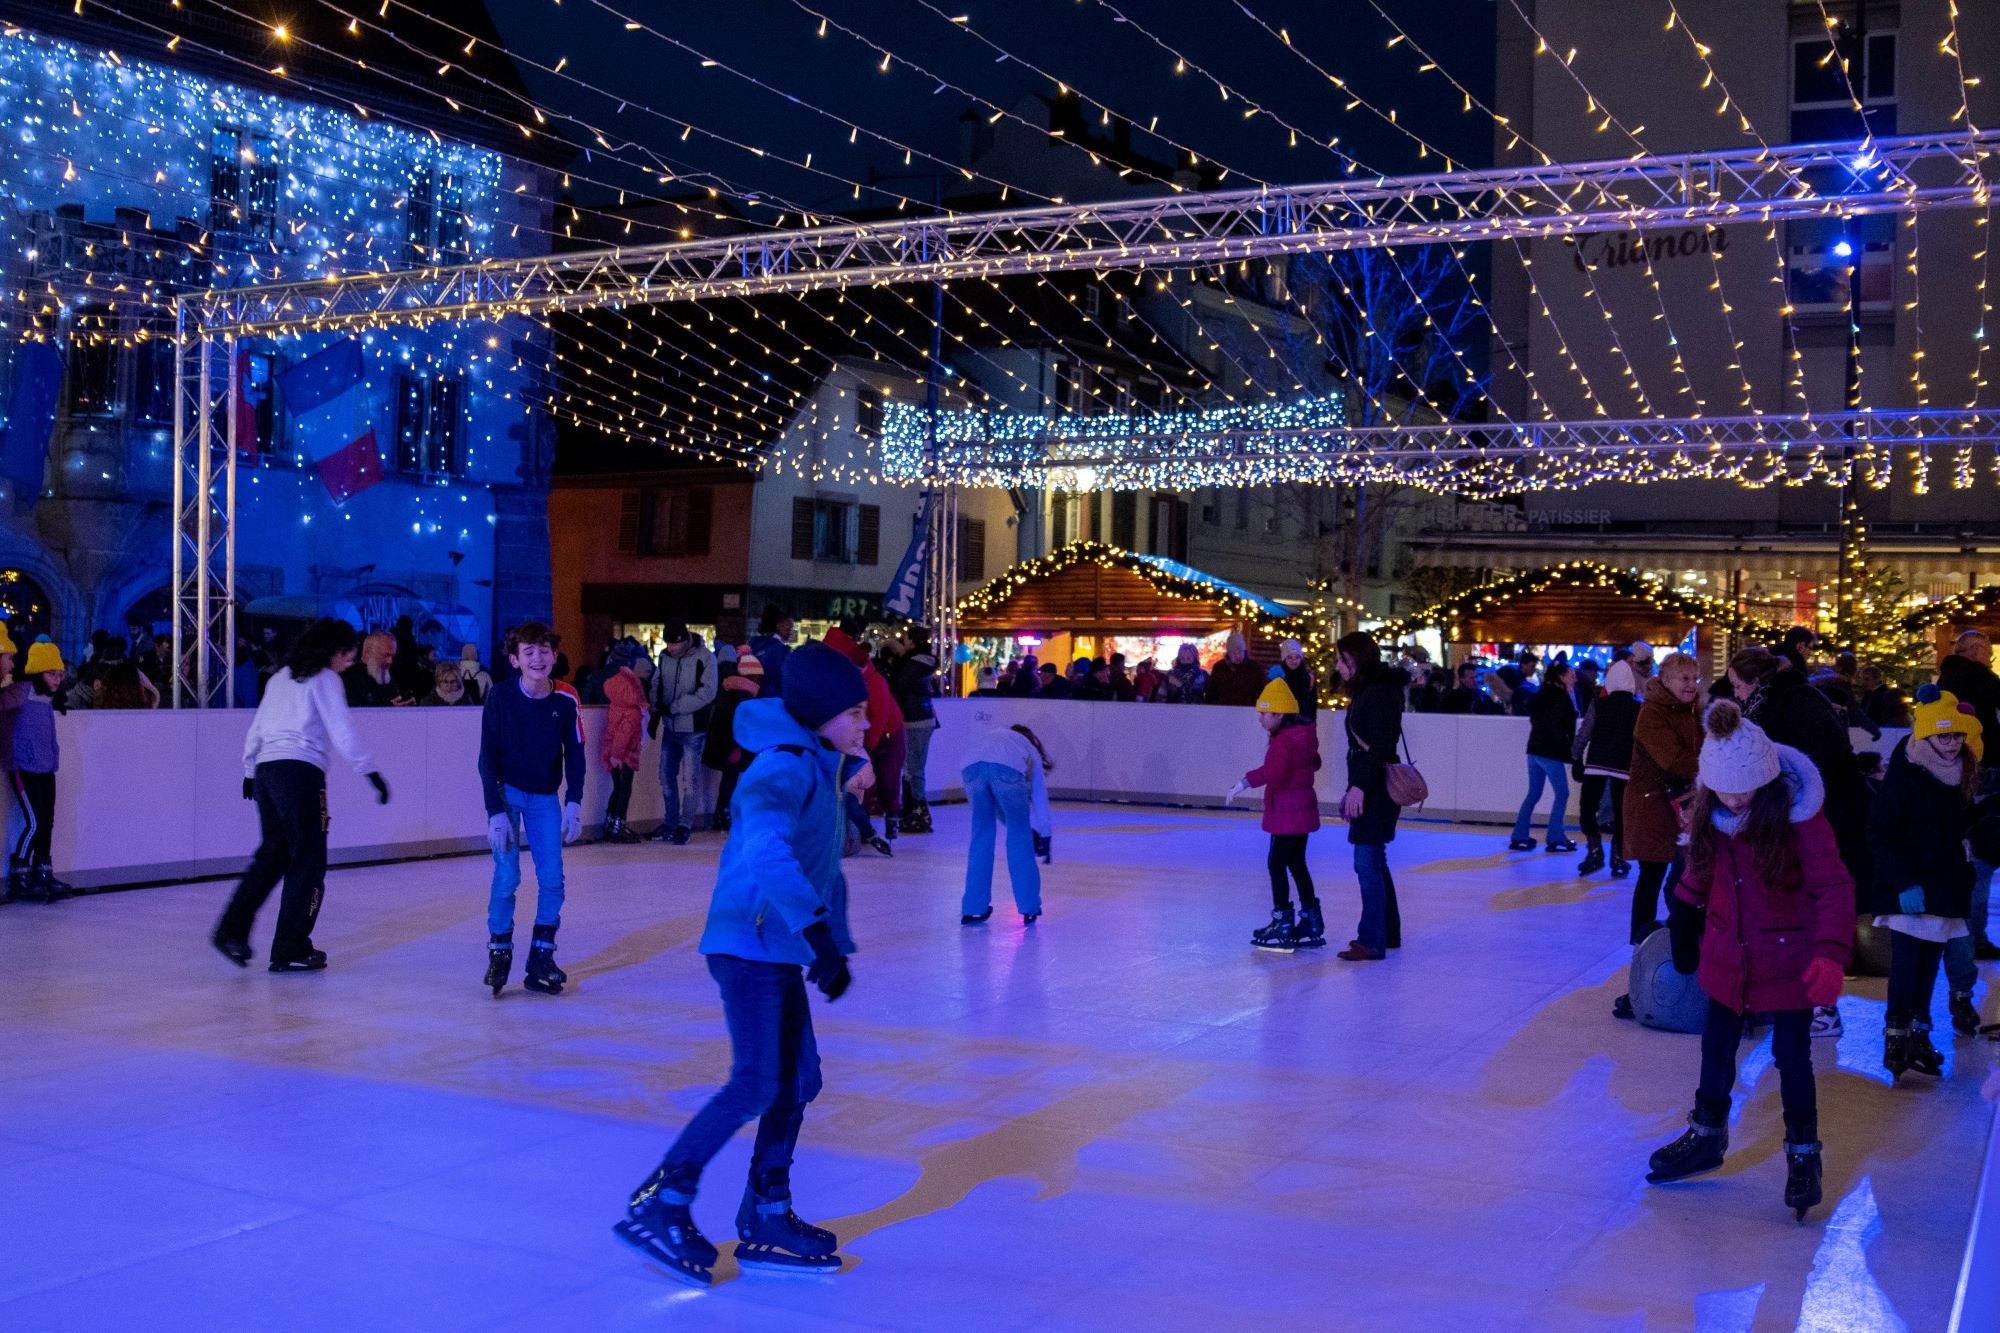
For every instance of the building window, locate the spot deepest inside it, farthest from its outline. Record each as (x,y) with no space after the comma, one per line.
(971,549)
(93,360)
(1058,520)
(868,412)
(1211,507)
(1820,263)
(1125,520)
(1243,511)
(681,522)
(1822,103)
(435,227)
(1169,534)
(430,425)
(835,531)
(1093,300)
(242,183)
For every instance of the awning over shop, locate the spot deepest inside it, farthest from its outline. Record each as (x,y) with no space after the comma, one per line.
(1775,557)
(1091,588)
(1579,602)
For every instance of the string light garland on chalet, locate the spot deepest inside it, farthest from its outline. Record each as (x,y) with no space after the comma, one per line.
(1169,578)
(1652,593)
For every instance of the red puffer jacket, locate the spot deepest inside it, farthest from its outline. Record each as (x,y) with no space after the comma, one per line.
(1290,760)
(1761,936)
(625,724)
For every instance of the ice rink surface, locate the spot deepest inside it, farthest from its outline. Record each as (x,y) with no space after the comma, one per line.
(1121,1117)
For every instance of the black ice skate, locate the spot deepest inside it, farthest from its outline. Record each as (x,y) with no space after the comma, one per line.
(312,960)
(499,961)
(658,1225)
(1924,1057)
(235,950)
(617,830)
(971,919)
(1802,1170)
(1311,930)
(1698,1150)
(1281,936)
(770,1236)
(1964,1018)
(17,881)
(543,974)
(1592,862)
(1895,1052)
(1620,867)
(44,885)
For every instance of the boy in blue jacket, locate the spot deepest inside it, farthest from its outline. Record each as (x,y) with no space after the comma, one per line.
(778,919)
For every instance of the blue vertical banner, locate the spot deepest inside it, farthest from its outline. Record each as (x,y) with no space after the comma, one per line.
(31,417)
(908,591)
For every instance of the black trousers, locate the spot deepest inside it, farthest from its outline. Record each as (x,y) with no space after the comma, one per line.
(621,793)
(36,795)
(1288,855)
(726,788)
(291,812)
(1791,1047)
(1593,796)
(1913,973)
(1655,879)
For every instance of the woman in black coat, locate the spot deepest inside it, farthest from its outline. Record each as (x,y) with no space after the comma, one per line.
(1374,725)
(1604,758)
(1781,701)
(1551,737)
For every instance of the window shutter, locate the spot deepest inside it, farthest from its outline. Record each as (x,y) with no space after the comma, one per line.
(868,543)
(1058,520)
(701,512)
(1125,520)
(628,522)
(802,528)
(971,549)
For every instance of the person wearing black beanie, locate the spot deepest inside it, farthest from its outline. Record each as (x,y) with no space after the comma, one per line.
(777,921)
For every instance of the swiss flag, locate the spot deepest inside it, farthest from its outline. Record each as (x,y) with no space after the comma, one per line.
(325,396)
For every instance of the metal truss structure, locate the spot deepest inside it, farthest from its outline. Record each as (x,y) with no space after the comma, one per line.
(1465,459)
(1179,230)
(1901,175)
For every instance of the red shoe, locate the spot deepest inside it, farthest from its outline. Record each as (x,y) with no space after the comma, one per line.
(1358,953)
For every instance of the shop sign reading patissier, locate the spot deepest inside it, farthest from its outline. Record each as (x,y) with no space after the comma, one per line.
(1622,248)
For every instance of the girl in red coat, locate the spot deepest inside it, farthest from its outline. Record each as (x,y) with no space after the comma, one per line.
(1291,814)
(624,735)
(1762,862)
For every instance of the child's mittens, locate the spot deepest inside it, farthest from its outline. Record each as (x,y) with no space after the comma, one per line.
(1823,978)
(1045,847)
(1911,901)
(381,786)
(1236,791)
(499,833)
(572,822)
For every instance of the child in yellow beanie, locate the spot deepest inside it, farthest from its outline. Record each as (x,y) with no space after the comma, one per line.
(36,758)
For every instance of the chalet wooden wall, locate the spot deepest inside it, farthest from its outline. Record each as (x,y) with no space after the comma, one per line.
(1094,599)
(1566,614)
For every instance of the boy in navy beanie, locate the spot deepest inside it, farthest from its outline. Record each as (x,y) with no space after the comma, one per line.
(778,920)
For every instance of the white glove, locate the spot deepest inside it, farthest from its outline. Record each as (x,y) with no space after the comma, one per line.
(500,833)
(572,822)
(1236,791)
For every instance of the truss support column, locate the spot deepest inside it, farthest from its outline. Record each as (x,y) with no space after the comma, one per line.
(204,548)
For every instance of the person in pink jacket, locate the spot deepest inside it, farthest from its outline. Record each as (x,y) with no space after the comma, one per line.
(624,737)
(1291,814)
(1763,867)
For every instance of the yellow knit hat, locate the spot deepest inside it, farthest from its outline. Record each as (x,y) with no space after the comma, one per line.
(43,656)
(1936,713)
(1277,698)
(6,643)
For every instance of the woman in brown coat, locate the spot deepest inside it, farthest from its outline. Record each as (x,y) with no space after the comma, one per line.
(1666,750)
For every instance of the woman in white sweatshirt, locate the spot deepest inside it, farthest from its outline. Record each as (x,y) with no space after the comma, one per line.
(303,717)
(1002,770)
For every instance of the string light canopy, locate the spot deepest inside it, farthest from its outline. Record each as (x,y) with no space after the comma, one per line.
(1978,606)
(1169,578)
(1587,574)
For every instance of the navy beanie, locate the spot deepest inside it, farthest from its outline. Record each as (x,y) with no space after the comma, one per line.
(819,684)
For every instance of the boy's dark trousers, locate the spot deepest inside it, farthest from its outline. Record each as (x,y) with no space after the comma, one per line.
(1791,1046)
(36,793)
(1913,971)
(291,812)
(774,1070)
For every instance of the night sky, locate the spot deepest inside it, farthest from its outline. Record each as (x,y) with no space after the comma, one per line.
(1080,41)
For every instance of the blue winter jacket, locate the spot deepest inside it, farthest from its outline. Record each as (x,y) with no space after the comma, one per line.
(780,869)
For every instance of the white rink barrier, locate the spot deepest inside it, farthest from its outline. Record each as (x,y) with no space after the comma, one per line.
(149,796)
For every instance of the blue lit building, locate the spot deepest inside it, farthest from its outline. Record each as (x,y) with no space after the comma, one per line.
(123,181)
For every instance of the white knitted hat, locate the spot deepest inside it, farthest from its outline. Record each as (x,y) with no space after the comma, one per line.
(1736,755)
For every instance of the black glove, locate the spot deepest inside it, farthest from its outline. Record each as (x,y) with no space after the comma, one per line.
(249,789)
(1685,922)
(828,969)
(1045,844)
(381,788)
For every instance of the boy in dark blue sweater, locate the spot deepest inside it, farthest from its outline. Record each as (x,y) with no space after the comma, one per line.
(531,769)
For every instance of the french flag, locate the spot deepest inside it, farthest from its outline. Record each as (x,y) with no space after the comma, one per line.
(329,410)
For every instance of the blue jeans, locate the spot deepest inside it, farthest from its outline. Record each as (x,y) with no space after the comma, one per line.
(1381,927)
(1960,970)
(995,790)
(680,776)
(537,820)
(773,1072)
(1555,773)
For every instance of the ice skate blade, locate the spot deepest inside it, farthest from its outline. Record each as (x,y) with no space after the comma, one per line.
(1655,1178)
(1274,948)
(543,988)
(780,1261)
(672,1267)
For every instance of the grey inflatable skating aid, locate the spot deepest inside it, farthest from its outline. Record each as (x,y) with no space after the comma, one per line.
(1661,997)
